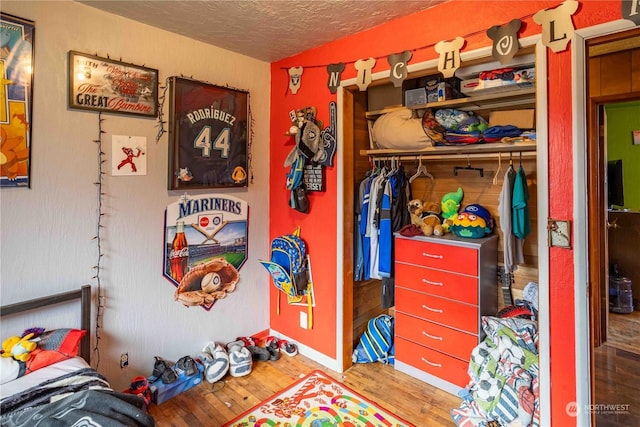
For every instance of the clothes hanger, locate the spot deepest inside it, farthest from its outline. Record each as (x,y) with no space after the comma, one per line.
(422,170)
(495,177)
(468,167)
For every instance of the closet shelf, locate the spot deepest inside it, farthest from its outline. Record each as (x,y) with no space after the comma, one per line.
(489,101)
(455,151)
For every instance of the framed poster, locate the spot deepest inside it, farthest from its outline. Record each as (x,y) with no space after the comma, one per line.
(106,85)
(208,131)
(16,92)
(205,234)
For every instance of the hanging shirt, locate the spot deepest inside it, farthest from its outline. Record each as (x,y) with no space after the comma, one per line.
(521,226)
(520,223)
(505,210)
(385,234)
(358,270)
(364,218)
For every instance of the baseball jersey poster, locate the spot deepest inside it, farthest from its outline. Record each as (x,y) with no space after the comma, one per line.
(208,131)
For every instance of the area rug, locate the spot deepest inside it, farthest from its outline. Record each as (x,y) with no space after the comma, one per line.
(317,400)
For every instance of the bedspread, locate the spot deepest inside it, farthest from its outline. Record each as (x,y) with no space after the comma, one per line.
(504,376)
(82,397)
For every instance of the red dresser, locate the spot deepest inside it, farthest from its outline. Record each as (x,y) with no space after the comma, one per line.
(443,287)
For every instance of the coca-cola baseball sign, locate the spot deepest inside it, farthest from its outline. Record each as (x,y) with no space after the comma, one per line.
(103,84)
(205,246)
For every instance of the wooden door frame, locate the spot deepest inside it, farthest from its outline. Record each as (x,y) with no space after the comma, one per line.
(589,214)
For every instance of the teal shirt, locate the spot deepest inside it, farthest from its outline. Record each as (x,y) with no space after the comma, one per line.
(519,202)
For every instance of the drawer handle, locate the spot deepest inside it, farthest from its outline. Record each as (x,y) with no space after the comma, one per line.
(433,337)
(437,365)
(432,283)
(432,255)
(436,310)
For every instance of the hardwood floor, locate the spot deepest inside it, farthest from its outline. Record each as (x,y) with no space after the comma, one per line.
(618,373)
(207,405)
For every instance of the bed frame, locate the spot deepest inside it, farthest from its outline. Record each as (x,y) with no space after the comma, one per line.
(83,294)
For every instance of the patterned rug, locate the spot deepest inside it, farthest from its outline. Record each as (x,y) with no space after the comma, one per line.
(317,401)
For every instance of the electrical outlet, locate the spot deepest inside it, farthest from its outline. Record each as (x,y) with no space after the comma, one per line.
(124,360)
(303,320)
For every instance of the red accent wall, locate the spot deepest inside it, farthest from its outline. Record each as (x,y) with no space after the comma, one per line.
(420,32)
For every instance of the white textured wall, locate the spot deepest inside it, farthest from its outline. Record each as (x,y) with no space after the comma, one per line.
(46,231)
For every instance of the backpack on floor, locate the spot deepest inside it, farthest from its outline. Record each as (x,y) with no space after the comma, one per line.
(289,269)
(376,342)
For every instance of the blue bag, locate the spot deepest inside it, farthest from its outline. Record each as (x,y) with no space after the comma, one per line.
(376,342)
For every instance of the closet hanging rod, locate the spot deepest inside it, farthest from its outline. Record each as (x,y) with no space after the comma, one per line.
(525,155)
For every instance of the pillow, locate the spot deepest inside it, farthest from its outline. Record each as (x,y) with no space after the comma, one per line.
(9,369)
(400,130)
(54,346)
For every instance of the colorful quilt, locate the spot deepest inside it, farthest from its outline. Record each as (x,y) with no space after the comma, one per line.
(317,401)
(503,369)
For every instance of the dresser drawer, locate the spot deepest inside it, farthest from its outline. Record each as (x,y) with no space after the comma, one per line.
(433,362)
(438,282)
(438,337)
(445,257)
(446,312)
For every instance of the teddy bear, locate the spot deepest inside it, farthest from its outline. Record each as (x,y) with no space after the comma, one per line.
(426,217)
(18,348)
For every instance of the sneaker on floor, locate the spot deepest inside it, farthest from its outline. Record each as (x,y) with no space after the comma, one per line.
(240,361)
(288,348)
(216,362)
(187,365)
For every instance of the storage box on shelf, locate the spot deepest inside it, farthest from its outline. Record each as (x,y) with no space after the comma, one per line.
(489,83)
(444,285)
(161,392)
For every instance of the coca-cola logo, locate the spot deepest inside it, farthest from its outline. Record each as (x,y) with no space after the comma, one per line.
(184,252)
(204,221)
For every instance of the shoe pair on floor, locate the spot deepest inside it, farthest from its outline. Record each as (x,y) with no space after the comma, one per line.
(168,372)
(290,349)
(217,362)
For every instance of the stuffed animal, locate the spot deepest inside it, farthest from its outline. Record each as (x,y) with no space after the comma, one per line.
(450,204)
(18,348)
(426,216)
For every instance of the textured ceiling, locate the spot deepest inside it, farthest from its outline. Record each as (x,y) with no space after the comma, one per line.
(268,30)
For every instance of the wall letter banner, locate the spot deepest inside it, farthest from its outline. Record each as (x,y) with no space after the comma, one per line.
(328,137)
(557,27)
(205,245)
(505,40)
(398,71)
(364,67)
(631,10)
(449,52)
(335,76)
(295,78)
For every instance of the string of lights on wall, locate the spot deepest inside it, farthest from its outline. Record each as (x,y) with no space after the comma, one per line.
(98,238)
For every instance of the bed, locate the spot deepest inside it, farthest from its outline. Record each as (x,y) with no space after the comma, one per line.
(57,386)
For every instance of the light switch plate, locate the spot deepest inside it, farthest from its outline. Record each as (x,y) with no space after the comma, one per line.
(303,320)
(559,232)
